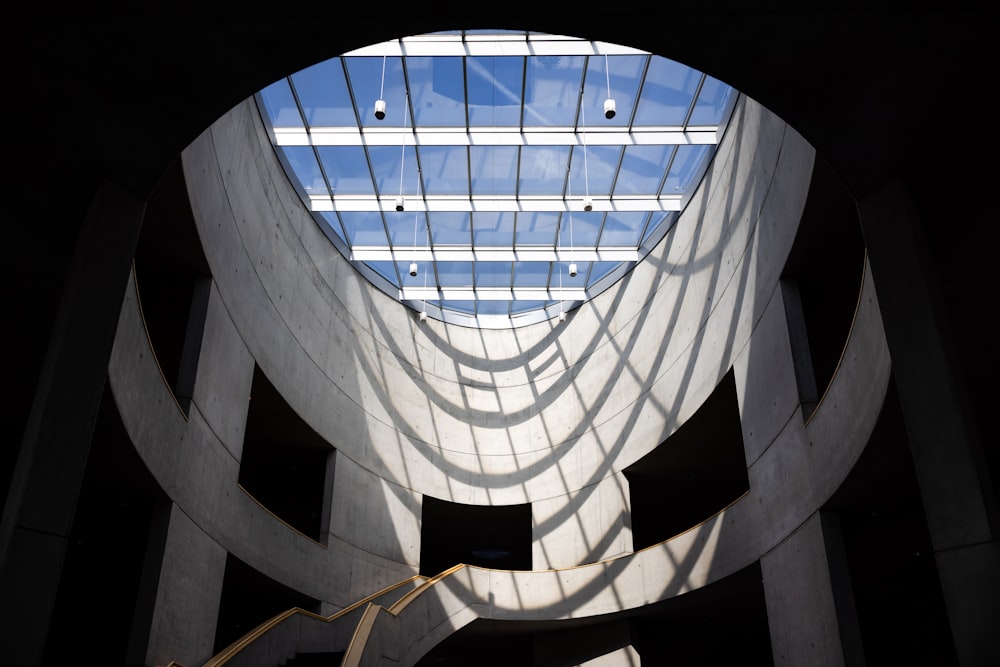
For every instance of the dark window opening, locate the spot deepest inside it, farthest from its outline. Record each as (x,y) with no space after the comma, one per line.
(286,466)
(249,598)
(821,282)
(723,623)
(695,473)
(173,281)
(497,537)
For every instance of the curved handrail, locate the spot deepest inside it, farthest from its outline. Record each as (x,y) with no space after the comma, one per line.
(252,636)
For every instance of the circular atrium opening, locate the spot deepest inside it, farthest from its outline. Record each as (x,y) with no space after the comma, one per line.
(495,178)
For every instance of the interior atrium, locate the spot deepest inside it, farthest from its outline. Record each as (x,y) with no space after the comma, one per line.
(577,338)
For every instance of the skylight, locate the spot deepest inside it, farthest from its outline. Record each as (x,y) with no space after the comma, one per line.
(495,144)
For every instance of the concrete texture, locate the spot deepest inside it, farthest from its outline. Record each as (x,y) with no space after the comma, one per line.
(544,415)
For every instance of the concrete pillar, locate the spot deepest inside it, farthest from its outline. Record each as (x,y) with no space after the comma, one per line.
(810,609)
(955,486)
(188,590)
(45,486)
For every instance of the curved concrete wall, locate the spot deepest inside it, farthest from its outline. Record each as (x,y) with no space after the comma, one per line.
(545,414)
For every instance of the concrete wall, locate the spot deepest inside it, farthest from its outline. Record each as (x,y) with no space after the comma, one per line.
(547,414)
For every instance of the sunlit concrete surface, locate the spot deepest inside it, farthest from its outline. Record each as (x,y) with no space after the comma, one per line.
(165,283)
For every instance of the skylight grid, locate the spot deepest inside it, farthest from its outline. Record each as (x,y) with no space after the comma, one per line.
(501,160)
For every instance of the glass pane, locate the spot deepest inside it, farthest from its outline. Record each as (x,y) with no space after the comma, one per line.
(333,223)
(552,89)
(445,169)
(386,162)
(493,307)
(437,89)
(494,169)
(623,228)
(454,274)
(601,269)
(385,269)
(364,228)
(494,85)
(543,169)
(302,160)
(686,166)
(365,75)
(642,169)
(537,228)
(667,93)
(581,229)
(493,274)
(660,222)
(712,102)
(280,106)
(347,169)
(323,93)
(493,228)
(531,274)
(594,170)
(406,229)
(450,228)
(625,72)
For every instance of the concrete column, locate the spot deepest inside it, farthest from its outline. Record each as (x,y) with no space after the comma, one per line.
(805,376)
(955,487)
(810,609)
(188,592)
(41,502)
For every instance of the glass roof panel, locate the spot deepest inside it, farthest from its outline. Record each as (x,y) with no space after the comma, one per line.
(712,103)
(532,274)
(450,228)
(435,85)
(364,228)
(667,94)
(494,169)
(346,167)
(494,85)
(552,90)
(493,142)
(543,169)
(536,228)
(493,229)
(280,106)
(625,74)
(623,228)
(302,160)
(323,93)
(445,170)
(455,274)
(642,169)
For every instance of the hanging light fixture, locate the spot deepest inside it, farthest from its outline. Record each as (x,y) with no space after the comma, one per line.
(402,155)
(609,104)
(569,188)
(380,103)
(413,264)
(588,205)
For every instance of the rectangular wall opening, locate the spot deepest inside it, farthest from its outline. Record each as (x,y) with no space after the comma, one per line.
(286,466)
(693,474)
(821,283)
(249,598)
(497,537)
(173,281)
